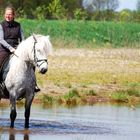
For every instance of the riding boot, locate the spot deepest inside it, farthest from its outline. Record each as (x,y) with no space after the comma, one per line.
(37,89)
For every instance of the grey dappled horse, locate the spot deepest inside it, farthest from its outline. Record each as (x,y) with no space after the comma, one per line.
(20,79)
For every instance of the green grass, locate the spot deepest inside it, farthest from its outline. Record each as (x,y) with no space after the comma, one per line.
(47,99)
(92,93)
(126,95)
(104,68)
(83,33)
(72,94)
(120,96)
(88,78)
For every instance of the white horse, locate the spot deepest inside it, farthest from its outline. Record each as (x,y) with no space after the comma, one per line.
(20,79)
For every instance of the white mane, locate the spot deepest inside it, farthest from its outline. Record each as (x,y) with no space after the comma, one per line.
(42,41)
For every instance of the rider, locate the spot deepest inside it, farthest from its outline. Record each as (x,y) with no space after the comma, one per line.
(10,35)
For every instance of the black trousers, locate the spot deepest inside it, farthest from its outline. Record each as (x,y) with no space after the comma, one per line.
(4,54)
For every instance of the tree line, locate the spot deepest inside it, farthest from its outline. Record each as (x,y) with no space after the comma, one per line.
(99,10)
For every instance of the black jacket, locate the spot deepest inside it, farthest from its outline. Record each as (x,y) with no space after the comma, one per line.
(12,33)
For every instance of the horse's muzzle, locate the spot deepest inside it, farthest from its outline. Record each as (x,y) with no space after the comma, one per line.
(43,71)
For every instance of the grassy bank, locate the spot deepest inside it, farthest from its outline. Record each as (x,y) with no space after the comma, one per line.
(84,67)
(86,33)
(79,76)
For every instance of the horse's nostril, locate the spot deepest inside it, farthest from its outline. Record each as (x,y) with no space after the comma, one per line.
(43,70)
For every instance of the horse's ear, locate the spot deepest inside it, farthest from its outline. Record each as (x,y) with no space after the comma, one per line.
(48,36)
(34,36)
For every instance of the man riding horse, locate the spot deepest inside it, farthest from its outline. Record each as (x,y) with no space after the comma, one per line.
(10,36)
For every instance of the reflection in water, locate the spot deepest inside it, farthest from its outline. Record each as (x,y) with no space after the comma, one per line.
(26,137)
(12,135)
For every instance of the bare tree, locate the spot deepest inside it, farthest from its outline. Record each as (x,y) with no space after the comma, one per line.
(138,5)
(93,5)
(111,4)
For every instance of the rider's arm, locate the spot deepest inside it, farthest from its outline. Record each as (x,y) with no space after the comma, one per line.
(3,42)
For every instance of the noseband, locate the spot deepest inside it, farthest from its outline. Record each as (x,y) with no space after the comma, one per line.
(36,60)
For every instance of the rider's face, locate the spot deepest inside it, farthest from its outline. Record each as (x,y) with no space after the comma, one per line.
(9,15)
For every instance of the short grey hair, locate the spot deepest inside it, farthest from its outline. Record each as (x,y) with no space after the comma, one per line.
(10,8)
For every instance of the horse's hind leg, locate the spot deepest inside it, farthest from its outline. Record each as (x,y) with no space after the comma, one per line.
(27,110)
(13,113)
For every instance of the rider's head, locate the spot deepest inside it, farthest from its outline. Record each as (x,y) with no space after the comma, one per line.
(9,13)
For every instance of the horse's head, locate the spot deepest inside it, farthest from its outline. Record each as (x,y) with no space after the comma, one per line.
(41,48)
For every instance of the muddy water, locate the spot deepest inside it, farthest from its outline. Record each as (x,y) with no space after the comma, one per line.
(97,122)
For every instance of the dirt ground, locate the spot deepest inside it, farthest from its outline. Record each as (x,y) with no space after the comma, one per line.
(90,71)
(101,70)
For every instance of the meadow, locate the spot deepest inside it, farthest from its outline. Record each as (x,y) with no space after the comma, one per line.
(86,33)
(91,61)
(78,76)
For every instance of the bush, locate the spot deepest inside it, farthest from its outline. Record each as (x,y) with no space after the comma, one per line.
(20,13)
(40,12)
(80,14)
(56,10)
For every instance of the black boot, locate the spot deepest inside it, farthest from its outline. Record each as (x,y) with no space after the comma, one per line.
(37,89)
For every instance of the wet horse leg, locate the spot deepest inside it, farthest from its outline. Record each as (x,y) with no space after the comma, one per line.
(13,113)
(27,110)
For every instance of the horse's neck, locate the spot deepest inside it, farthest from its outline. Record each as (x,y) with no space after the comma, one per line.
(21,58)
(18,64)
(23,50)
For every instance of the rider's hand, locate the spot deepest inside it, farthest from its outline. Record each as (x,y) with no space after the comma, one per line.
(12,50)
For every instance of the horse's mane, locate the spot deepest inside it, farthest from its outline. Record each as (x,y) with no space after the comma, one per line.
(44,40)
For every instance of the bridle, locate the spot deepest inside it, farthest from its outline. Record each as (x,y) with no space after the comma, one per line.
(36,60)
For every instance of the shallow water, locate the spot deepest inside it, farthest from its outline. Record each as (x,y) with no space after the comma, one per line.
(96,122)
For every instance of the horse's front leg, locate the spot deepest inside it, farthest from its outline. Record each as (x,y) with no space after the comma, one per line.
(13,112)
(28,103)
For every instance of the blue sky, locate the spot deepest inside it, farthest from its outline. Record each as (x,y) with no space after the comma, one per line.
(130,4)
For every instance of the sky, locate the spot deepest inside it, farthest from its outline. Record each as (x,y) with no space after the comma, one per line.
(129,4)
(123,4)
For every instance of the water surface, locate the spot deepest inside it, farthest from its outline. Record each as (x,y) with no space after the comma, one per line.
(96,122)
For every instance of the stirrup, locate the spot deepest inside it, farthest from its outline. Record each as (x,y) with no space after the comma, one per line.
(37,89)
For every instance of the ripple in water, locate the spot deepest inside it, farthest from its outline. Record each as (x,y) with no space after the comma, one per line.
(56,127)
